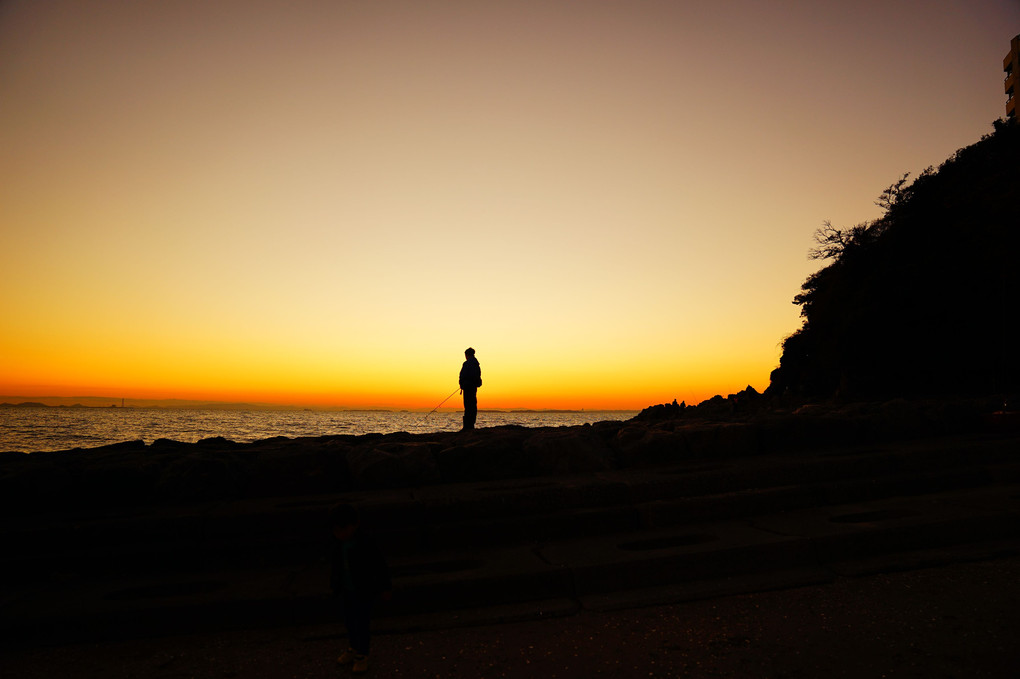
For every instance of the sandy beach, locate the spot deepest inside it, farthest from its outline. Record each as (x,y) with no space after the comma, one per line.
(953,621)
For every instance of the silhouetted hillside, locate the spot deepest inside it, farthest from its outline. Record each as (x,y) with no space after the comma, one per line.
(924,300)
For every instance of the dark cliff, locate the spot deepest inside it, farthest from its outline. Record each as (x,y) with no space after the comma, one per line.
(924,300)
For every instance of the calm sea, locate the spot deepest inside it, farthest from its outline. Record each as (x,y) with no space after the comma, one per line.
(39,429)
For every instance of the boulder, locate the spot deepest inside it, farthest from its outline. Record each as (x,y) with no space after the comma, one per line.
(643,446)
(567,451)
(484,456)
(202,475)
(393,465)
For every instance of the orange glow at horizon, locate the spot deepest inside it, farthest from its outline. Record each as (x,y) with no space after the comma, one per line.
(325,204)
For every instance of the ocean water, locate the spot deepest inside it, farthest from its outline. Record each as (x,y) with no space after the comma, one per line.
(32,429)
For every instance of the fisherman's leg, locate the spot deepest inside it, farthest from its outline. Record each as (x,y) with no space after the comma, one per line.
(470,408)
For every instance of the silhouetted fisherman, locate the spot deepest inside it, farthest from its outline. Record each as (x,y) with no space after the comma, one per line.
(470,380)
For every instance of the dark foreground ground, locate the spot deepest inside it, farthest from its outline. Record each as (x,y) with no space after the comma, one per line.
(878,542)
(959,620)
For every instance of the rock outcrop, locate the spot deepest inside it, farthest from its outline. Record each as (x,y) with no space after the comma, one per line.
(167,472)
(922,302)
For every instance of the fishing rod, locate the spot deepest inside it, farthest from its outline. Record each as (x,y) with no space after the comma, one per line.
(439,406)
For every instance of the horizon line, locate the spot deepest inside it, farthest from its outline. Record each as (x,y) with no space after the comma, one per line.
(9,400)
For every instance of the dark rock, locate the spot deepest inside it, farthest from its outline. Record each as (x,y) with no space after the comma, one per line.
(482,457)
(215,441)
(663,411)
(393,464)
(567,451)
(643,446)
(118,447)
(296,470)
(202,476)
(166,444)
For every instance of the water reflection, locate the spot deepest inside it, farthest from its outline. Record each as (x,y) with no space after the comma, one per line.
(38,429)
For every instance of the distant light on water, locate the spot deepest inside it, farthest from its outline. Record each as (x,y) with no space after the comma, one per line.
(45,429)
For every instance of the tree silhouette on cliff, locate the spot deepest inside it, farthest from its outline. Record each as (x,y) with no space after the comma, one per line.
(924,300)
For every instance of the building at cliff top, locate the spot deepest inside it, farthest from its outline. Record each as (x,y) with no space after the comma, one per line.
(1011,65)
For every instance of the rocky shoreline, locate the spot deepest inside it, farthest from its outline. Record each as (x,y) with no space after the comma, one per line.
(503,523)
(170,472)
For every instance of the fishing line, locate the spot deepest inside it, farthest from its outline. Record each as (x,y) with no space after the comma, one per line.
(438,407)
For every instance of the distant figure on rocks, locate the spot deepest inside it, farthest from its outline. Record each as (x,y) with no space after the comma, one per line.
(360,578)
(470,380)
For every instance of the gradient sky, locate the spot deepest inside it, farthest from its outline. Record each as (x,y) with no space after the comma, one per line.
(325,202)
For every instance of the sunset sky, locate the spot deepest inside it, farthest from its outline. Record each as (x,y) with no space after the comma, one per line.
(326,202)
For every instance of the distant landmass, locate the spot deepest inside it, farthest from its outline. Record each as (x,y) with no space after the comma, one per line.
(109,402)
(106,402)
